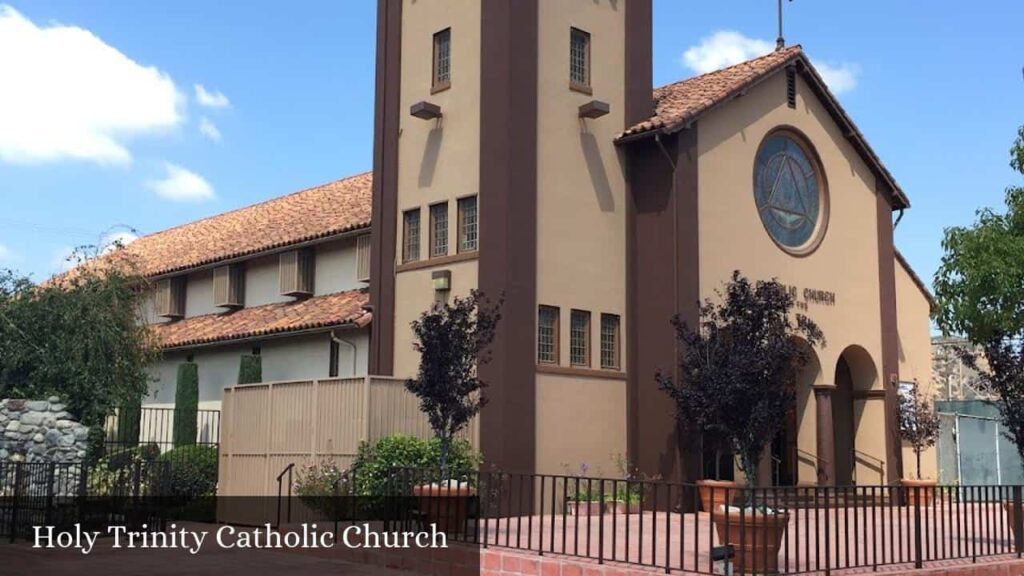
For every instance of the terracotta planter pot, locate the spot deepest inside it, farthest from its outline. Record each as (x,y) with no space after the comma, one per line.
(445,504)
(583,508)
(755,537)
(620,507)
(718,489)
(914,489)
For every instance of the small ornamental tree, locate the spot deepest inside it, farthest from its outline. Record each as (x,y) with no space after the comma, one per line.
(738,367)
(129,422)
(186,405)
(453,339)
(250,369)
(919,424)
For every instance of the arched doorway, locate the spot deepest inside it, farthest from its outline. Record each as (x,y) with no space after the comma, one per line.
(855,373)
(789,465)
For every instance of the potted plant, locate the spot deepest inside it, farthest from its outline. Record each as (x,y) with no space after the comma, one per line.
(624,497)
(714,492)
(738,370)
(452,340)
(919,426)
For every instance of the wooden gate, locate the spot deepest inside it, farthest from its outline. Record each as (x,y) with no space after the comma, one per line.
(265,427)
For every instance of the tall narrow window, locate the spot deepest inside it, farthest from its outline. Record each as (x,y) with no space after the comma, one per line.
(469,232)
(411,235)
(547,335)
(334,360)
(579,338)
(439,230)
(610,341)
(442,60)
(579,59)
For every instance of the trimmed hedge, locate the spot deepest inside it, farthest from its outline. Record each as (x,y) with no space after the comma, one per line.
(186,405)
(191,471)
(374,461)
(250,369)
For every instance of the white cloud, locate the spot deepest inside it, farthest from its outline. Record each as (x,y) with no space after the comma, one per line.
(67,94)
(115,240)
(211,99)
(724,48)
(6,254)
(65,258)
(727,47)
(209,129)
(181,185)
(841,78)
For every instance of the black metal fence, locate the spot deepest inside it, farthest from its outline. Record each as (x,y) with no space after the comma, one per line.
(155,427)
(694,528)
(62,494)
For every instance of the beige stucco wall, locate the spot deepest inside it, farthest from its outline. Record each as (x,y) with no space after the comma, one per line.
(915,355)
(580,421)
(415,295)
(732,237)
(437,160)
(581,229)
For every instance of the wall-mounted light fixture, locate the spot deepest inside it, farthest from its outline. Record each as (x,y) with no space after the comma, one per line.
(594,109)
(442,280)
(425,110)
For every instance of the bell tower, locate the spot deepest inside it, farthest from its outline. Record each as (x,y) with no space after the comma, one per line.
(495,168)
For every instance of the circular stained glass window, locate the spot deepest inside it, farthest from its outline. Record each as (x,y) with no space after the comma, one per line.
(789,193)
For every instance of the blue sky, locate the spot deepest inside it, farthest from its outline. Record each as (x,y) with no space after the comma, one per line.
(287,103)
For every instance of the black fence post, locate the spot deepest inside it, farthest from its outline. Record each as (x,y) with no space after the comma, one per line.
(1018,522)
(15,500)
(918,544)
(51,478)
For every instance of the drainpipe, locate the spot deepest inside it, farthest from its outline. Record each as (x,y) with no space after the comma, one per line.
(898,218)
(351,346)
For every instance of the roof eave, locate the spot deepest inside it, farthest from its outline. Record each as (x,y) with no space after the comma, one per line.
(352,324)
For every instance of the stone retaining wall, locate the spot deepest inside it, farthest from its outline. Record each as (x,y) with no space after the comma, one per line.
(40,431)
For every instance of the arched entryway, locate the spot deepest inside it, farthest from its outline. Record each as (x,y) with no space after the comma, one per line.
(855,374)
(789,464)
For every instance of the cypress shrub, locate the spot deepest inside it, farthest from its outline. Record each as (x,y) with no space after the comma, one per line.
(129,419)
(186,405)
(250,370)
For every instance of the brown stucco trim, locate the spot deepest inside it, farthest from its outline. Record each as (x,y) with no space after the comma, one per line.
(868,394)
(435,262)
(385,185)
(581,372)
(639,62)
(664,279)
(889,331)
(508,226)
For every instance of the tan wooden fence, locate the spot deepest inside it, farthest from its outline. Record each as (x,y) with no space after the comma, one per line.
(265,427)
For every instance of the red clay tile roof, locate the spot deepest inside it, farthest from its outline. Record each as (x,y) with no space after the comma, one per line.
(681,102)
(339,309)
(333,208)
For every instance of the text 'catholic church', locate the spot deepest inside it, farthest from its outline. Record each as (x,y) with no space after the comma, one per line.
(521,149)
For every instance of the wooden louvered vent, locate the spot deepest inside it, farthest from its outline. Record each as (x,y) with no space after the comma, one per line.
(170,297)
(229,286)
(296,269)
(363,258)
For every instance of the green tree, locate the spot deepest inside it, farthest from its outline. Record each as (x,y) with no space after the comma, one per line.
(979,295)
(739,365)
(452,339)
(250,369)
(186,405)
(978,286)
(79,336)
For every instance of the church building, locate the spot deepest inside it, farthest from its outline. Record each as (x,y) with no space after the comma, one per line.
(522,149)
